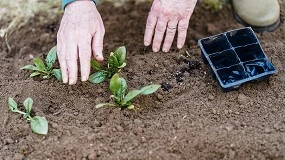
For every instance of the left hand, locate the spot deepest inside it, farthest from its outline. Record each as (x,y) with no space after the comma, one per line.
(167,16)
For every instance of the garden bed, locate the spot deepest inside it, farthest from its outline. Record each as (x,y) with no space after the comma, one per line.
(190,118)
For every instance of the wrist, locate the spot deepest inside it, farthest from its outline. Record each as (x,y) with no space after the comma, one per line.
(67,2)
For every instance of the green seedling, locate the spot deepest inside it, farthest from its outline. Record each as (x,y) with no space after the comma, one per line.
(118,87)
(45,69)
(214,5)
(38,124)
(116,62)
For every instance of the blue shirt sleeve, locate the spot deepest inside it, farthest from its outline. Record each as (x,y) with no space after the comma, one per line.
(66,2)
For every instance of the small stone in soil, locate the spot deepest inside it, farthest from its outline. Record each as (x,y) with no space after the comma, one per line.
(211,97)
(179,77)
(165,86)
(150,72)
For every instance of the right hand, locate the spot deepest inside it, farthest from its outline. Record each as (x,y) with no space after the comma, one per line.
(80,35)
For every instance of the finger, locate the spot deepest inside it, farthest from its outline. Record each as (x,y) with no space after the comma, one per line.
(62,62)
(182,32)
(61,51)
(159,33)
(149,29)
(71,60)
(85,58)
(170,33)
(97,43)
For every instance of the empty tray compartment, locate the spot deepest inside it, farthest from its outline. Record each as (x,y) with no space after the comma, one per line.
(250,52)
(258,67)
(224,59)
(215,44)
(241,37)
(232,74)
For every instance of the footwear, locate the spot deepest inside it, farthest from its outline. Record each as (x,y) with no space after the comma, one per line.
(261,15)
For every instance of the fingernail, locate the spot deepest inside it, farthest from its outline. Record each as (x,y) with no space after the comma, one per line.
(83,79)
(71,81)
(64,80)
(146,43)
(99,57)
(164,50)
(179,46)
(155,49)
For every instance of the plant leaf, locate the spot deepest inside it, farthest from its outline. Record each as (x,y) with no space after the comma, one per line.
(97,77)
(115,84)
(123,65)
(120,54)
(36,73)
(57,74)
(39,125)
(122,90)
(39,63)
(149,89)
(113,61)
(95,65)
(104,104)
(118,86)
(131,95)
(28,103)
(13,106)
(51,57)
(31,67)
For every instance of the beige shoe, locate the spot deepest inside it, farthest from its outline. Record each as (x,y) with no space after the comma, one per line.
(261,15)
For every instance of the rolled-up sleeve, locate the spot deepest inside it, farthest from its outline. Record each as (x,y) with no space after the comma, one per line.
(66,2)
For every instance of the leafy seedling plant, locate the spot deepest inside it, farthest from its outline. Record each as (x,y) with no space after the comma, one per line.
(38,124)
(214,5)
(116,62)
(46,70)
(118,87)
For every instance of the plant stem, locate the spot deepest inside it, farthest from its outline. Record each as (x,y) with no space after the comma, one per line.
(29,118)
(20,112)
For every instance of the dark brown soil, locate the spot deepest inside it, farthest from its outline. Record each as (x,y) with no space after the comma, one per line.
(194,119)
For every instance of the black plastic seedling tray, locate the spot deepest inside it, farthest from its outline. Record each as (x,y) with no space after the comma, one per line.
(236,57)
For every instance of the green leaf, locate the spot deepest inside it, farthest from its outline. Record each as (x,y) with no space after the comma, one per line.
(95,65)
(122,90)
(118,86)
(39,125)
(51,57)
(120,54)
(39,63)
(123,65)
(115,84)
(28,103)
(36,73)
(104,104)
(57,74)
(31,67)
(131,95)
(113,61)
(149,89)
(97,77)
(13,106)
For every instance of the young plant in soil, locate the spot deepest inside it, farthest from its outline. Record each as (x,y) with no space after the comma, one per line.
(214,5)
(38,124)
(45,69)
(118,87)
(116,62)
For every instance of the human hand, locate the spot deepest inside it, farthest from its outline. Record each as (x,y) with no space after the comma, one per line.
(166,16)
(80,35)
